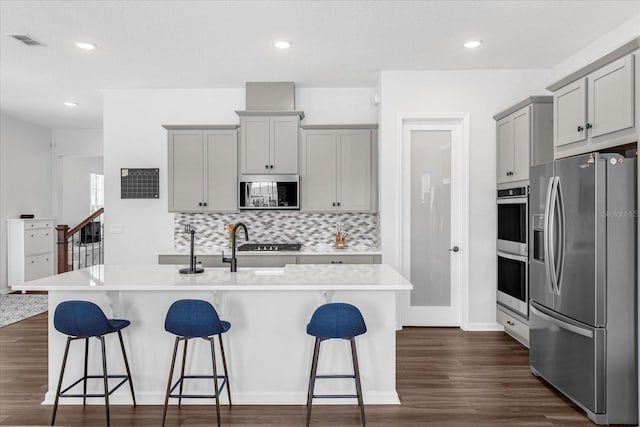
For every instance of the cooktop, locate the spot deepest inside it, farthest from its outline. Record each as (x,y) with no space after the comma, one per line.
(270,247)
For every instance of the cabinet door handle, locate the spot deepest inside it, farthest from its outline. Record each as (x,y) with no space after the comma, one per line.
(266,166)
(333,204)
(580,128)
(271,166)
(589,125)
(338,204)
(200,204)
(204,204)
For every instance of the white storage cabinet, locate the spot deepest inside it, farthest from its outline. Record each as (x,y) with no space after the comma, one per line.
(30,249)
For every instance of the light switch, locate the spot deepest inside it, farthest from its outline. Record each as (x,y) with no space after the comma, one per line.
(117,228)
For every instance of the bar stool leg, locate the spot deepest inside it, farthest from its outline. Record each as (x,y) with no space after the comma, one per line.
(106,381)
(184,358)
(356,372)
(64,364)
(215,376)
(166,396)
(126,365)
(224,364)
(312,378)
(86,363)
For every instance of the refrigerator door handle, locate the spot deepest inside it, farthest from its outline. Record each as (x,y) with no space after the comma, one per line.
(547,260)
(564,325)
(561,237)
(553,202)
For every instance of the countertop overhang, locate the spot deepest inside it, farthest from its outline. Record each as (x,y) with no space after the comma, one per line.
(293,277)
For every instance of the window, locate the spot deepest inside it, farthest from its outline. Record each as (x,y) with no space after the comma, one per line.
(97,192)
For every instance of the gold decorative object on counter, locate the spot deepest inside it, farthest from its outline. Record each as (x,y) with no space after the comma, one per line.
(340,236)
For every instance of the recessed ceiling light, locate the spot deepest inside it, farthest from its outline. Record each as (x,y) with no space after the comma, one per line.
(86,45)
(70,104)
(472,44)
(282,44)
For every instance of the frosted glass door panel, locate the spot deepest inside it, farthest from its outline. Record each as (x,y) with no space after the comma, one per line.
(430,217)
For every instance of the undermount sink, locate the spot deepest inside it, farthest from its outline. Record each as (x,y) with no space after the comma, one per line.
(269,272)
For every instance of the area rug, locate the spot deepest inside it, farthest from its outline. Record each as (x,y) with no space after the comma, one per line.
(16,307)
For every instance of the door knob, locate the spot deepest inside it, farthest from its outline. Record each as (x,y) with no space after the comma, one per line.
(454,249)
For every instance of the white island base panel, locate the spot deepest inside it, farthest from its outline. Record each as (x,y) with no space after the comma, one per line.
(267,349)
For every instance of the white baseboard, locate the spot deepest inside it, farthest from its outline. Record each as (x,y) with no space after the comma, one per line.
(5,290)
(484,326)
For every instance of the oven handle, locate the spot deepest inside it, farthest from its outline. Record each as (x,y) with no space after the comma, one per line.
(513,257)
(512,201)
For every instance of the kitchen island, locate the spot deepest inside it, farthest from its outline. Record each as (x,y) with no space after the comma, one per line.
(268,351)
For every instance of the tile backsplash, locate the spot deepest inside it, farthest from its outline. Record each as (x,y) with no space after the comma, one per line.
(310,229)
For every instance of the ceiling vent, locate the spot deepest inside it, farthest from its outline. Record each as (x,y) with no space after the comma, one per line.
(26,39)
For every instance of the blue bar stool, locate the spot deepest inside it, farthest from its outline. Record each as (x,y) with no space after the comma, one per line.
(189,318)
(84,320)
(335,320)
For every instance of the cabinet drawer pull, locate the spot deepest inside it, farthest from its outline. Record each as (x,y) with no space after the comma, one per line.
(509,322)
(336,262)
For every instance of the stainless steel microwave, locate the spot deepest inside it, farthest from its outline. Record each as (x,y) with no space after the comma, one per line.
(269,192)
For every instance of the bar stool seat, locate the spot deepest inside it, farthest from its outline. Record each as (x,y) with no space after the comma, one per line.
(84,320)
(187,319)
(330,321)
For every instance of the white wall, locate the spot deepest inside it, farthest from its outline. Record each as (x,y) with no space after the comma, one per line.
(70,143)
(76,187)
(133,137)
(481,94)
(600,47)
(25,177)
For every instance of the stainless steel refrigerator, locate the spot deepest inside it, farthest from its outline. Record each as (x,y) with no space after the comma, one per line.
(582,277)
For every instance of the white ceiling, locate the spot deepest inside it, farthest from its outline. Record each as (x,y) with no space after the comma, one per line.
(208,44)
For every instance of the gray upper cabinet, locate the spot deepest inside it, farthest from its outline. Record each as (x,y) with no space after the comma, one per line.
(202,173)
(523,138)
(570,113)
(597,106)
(339,169)
(269,143)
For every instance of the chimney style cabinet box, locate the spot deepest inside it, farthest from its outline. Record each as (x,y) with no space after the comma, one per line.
(30,249)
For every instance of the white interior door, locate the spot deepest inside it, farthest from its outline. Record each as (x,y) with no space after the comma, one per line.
(431,218)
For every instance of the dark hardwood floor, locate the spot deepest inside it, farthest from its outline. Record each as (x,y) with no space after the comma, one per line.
(446,377)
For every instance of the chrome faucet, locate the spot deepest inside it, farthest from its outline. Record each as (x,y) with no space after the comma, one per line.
(233,261)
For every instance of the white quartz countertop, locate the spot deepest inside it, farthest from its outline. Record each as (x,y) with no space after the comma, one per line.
(296,277)
(305,250)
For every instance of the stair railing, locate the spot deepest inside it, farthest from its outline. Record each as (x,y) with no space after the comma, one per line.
(82,245)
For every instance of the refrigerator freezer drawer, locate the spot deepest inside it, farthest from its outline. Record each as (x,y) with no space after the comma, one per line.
(570,356)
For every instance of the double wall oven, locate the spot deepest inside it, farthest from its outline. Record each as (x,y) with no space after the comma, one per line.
(513,263)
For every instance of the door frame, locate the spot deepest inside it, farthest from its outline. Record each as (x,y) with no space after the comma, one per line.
(456,122)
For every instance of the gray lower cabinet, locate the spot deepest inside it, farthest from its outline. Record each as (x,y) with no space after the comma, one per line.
(599,109)
(271,260)
(269,144)
(514,325)
(338,259)
(202,170)
(338,169)
(243,261)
